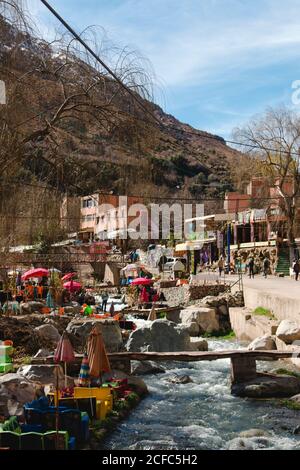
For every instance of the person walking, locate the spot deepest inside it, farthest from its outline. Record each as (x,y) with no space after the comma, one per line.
(266,266)
(104,301)
(296,269)
(221,265)
(251,267)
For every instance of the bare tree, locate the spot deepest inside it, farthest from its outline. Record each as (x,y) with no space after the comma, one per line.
(275,137)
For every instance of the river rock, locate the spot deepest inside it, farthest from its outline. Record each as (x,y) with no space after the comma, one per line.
(45,375)
(263,343)
(180,379)
(254,433)
(30,307)
(15,391)
(296,398)
(48,332)
(267,386)
(110,329)
(288,331)
(199,344)
(146,367)
(249,443)
(159,336)
(206,318)
(43,353)
(193,328)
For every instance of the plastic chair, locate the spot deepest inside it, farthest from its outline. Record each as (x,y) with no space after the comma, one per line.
(31,441)
(10,439)
(56,440)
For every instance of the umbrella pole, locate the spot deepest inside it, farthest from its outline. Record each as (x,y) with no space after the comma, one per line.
(65,375)
(56,411)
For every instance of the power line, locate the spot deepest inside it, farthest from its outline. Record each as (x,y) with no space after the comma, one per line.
(137,99)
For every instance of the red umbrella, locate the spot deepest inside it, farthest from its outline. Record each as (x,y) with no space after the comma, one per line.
(73,286)
(141,281)
(68,276)
(37,272)
(64,352)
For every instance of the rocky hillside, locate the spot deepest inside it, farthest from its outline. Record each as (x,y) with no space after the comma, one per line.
(80,132)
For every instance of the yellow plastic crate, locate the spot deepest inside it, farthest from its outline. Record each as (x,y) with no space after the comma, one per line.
(102,394)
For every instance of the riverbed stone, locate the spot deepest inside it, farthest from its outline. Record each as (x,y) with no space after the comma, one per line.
(15,391)
(180,379)
(159,336)
(111,331)
(31,307)
(199,344)
(254,433)
(288,331)
(48,332)
(267,386)
(146,368)
(296,399)
(43,353)
(263,343)
(205,317)
(44,374)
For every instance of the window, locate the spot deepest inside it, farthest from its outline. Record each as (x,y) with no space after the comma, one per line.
(87,203)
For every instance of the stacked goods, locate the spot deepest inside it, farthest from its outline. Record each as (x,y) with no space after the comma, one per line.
(6,351)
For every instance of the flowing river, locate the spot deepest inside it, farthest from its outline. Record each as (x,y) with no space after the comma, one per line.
(203,414)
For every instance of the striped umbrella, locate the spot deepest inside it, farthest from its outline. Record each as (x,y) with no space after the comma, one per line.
(84,374)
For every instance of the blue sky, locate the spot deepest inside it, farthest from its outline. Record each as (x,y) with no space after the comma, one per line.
(217,62)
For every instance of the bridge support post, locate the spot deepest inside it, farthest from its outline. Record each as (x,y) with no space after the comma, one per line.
(242,369)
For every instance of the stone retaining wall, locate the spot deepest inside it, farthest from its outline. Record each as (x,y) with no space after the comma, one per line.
(184,294)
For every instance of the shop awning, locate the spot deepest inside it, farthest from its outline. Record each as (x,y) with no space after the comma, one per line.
(194,244)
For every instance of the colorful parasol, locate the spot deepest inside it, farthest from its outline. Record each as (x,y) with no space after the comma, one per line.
(84,374)
(64,352)
(37,272)
(142,281)
(68,276)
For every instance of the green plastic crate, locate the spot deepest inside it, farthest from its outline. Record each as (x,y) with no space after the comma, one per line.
(5,368)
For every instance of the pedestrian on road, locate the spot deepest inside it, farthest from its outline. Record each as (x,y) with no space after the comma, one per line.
(266,266)
(104,301)
(251,267)
(296,269)
(221,265)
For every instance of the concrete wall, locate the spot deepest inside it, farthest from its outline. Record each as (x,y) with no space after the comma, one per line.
(247,326)
(282,307)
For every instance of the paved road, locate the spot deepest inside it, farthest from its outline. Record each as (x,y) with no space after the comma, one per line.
(282,286)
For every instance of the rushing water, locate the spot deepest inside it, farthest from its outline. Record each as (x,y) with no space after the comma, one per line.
(200,415)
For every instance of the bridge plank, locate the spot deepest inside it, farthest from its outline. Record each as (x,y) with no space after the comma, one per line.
(183,356)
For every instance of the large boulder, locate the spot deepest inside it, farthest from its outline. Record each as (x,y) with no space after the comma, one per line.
(288,331)
(263,343)
(296,399)
(205,317)
(30,307)
(15,391)
(45,375)
(111,331)
(267,386)
(48,332)
(146,368)
(160,336)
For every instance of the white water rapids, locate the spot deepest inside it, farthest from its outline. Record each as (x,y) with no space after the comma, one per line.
(202,414)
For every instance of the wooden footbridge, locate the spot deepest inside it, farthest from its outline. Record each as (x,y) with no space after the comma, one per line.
(243,362)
